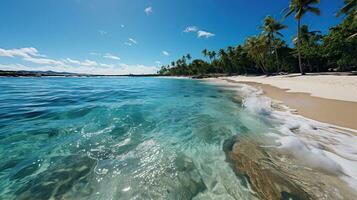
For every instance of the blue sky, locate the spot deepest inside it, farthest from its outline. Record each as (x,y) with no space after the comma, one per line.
(132,36)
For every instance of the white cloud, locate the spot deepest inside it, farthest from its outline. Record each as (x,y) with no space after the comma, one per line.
(94,54)
(204,34)
(122,25)
(137,69)
(165,53)
(200,33)
(101,32)
(110,56)
(22,52)
(89,63)
(29,54)
(107,55)
(190,29)
(148,10)
(133,41)
(68,60)
(120,69)
(42,63)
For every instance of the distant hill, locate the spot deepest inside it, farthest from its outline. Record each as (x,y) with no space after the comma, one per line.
(23,73)
(37,73)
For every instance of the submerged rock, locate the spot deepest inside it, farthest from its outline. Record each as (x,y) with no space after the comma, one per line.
(189,178)
(58,180)
(251,162)
(272,175)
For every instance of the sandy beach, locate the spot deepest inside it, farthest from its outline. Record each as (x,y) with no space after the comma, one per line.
(308,157)
(326,98)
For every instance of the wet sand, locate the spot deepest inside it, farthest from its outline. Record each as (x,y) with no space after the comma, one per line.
(337,112)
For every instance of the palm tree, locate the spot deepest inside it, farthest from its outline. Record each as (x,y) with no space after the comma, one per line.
(308,43)
(214,55)
(232,58)
(205,52)
(188,56)
(257,48)
(173,63)
(306,34)
(349,7)
(271,30)
(223,59)
(211,55)
(183,61)
(300,7)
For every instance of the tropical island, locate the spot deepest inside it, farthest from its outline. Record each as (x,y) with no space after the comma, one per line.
(274,117)
(331,63)
(269,53)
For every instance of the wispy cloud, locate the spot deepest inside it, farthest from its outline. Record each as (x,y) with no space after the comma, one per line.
(200,33)
(119,69)
(41,62)
(122,25)
(190,29)
(29,54)
(110,56)
(102,32)
(94,54)
(204,34)
(158,63)
(72,61)
(148,10)
(165,53)
(107,55)
(131,42)
(89,63)
(22,52)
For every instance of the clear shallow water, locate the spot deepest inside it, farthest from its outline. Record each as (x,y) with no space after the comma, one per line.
(118,138)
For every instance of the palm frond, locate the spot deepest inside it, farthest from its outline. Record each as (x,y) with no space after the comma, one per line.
(313,10)
(288,12)
(280,34)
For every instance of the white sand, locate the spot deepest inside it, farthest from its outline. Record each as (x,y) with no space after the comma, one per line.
(324,86)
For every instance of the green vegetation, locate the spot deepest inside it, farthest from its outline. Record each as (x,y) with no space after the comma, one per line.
(268,53)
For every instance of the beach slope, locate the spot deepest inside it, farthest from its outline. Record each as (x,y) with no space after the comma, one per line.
(326,98)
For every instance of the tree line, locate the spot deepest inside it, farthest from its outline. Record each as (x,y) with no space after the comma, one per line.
(268,53)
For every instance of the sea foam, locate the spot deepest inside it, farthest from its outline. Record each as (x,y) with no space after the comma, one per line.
(318,145)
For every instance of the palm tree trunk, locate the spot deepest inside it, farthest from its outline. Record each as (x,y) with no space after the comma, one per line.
(277,59)
(262,66)
(298,47)
(310,66)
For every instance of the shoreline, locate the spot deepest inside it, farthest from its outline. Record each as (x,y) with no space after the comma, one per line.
(300,157)
(311,103)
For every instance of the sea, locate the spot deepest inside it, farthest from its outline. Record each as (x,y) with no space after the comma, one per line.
(136,137)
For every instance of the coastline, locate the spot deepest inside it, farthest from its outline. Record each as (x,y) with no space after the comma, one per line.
(325,98)
(302,156)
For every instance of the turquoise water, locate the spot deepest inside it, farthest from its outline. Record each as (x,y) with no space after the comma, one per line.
(118,138)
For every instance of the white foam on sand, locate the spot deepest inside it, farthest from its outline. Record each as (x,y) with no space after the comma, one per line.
(317,145)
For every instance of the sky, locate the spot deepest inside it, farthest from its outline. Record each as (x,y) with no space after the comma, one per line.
(133,36)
